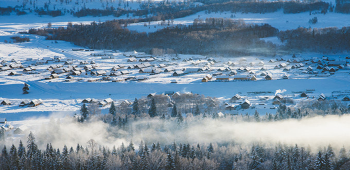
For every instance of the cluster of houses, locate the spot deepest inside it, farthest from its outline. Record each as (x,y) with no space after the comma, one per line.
(30,103)
(100,103)
(9,65)
(238,102)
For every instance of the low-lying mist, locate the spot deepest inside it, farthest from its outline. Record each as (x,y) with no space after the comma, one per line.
(314,132)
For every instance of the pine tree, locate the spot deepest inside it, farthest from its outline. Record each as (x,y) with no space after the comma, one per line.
(256,116)
(65,163)
(327,162)
(144,163)
(319,162)
(135,107)
(112,109)
(153,148)
(174,111)
(141,150)
(146,150)
(2,134)
(270,117)
(170,163)
(131,147)
(295,157)
(197,111)
(4,159)
(21,149)
(211,148)
(180,118)
(25,88)
(114,151)
(153,109)
(14,157)
(84,111)
(158,147)
(31,146)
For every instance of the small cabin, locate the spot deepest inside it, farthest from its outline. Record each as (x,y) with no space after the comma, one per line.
(222,78)
(87,100)
(278,97)
(303,94)
(241,77)
(24,103)
(205,79)
(35,102)
(178,73)
(285,77)
(246,104)
(235,97)
(3,121)
(268,77)
(253,78)
(276,102)
(102,103)
(6,102)
(322,97)
(346,98)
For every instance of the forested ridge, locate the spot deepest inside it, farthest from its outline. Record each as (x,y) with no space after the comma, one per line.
(211,36)
(324,40)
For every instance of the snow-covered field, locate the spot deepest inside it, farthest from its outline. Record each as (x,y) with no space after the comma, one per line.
(64,95)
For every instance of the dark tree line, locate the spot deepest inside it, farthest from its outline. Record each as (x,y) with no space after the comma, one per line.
(165,11)
(323,40)
(171,156)
(213,36)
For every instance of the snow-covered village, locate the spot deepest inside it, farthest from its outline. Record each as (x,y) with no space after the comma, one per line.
(174,84)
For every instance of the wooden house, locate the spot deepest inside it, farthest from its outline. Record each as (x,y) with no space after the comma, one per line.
(322,97)
(108,100)
(3,121)
(276,102)
(285,77)
(235,98)
(222,78)
(6,102)
(253,78)
(205,79)
(346,98)
(246,104)
(24,103)
(268,77)
(53,76)
(35,102)
(303,94)
(178,73)
(145,70)
(241,77)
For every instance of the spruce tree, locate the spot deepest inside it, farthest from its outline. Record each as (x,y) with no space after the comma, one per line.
(180,118)
(211,148)
(197,111)
(31,146)
(14,157)
(153,109)
(135,107)
(170,163)
(25,88)
(131,147)
(256,116)
(319,162)
(21,149)
(174,111)
(84,111)
(112,109)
